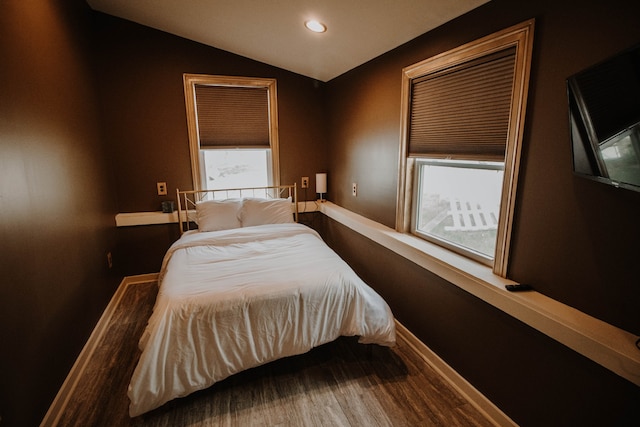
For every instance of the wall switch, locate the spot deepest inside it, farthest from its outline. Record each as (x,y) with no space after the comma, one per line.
(162,188)
(354,189)
(109,260)
(305,182)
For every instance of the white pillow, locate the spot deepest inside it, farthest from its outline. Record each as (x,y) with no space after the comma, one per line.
(214,215)
(266,211)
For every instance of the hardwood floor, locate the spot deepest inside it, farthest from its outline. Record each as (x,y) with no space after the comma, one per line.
(338,384)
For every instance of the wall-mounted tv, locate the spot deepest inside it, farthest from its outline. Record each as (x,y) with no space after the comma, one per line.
(604,115)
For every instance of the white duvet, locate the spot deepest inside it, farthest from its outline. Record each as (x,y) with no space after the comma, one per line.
(234,299)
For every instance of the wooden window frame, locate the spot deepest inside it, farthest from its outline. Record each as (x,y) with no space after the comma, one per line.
(519,36)
(191,80)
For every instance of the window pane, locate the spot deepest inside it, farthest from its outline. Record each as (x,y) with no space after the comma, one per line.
(459,203)
(622,159)
(235,168)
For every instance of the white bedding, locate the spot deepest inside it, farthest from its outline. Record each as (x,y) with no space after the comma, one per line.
(234,299)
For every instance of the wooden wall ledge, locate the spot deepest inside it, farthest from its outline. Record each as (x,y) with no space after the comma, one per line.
(129,219)
(603,343)
(145,218)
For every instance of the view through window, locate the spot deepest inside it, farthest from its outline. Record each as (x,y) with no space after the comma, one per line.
(235,168)
(459,202)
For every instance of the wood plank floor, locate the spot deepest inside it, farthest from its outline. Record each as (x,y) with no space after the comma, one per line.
(338,384)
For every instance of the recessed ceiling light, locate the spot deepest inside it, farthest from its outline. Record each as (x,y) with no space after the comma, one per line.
(315,26)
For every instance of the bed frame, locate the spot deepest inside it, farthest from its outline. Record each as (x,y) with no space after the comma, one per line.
(187,200)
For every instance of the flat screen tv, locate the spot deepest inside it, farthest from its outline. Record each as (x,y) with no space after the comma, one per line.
(604,115)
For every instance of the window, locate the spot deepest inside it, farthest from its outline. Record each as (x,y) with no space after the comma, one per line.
(233,138)
(463,114)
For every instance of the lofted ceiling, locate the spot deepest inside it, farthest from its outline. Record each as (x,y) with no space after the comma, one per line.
(273,31)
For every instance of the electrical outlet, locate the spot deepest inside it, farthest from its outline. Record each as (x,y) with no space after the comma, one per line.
(162,188)
(305,182)
(354,189)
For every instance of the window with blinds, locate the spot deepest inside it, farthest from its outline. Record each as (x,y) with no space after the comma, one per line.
(233,137)
(463,114)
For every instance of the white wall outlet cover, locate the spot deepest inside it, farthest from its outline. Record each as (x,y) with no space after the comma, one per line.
(162,188)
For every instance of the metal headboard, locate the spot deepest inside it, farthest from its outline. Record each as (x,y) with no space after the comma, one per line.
(187,200)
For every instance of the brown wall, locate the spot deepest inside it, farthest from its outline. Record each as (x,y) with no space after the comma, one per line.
(143,111)
(56,203)
(574,240)
(78,144)
(532,378)
(92,115)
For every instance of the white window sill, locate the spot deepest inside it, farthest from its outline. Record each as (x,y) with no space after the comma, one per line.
(601,342)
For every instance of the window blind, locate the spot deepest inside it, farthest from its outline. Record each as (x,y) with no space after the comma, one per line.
(463,111)
(232,116)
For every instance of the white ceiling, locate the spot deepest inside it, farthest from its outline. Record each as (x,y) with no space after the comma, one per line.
(273,32)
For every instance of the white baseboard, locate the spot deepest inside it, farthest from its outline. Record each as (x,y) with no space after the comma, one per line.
(61,400)
(468,391)
(480,402)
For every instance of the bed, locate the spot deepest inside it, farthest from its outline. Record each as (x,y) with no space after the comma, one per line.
(248,286)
